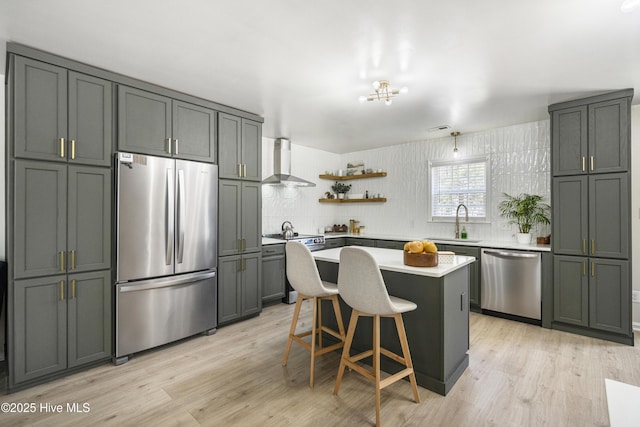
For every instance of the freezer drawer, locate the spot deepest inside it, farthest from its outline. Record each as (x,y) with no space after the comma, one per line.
(511,282)
(154,312)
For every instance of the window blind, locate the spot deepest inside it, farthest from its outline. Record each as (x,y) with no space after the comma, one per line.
(452,184)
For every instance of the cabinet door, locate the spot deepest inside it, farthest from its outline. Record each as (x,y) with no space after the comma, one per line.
(569,136)
(144,122)
(251,150)
(41,328)
(40,215)
(334,243)
(89,218)
(229,140)
(252,216)
(609,215)
(609,136)
(570,215)
(389,244)
(39,110)
(355,241)
(474,270)
(229,209)
(273,277)
(251,283)
(609,293)
(229,288)
(194,128)
(570,290)
(89,317)
(90,120)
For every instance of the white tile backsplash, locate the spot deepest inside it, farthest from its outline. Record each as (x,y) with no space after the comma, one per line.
(520,163)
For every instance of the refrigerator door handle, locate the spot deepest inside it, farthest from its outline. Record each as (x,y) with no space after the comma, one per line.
(181,215)
(169,225)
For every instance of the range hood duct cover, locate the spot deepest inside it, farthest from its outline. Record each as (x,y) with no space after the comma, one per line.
(282,167)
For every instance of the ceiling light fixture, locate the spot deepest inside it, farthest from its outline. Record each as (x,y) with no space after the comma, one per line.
(629,5)
(455,143)
(383,92)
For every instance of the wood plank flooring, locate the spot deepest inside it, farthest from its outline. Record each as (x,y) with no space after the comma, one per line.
(519,375)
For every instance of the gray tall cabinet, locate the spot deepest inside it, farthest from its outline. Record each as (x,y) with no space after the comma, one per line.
(64,120)
(240,218)
(591,229)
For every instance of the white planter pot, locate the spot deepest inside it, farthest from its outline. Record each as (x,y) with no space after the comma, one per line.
(523,238)
(340,195)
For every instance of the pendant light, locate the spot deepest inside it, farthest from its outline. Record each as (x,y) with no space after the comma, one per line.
(455,143)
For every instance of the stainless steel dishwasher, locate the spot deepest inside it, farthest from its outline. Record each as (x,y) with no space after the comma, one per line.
(511,283)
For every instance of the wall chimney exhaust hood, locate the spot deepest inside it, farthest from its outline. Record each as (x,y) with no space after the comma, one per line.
(282,167)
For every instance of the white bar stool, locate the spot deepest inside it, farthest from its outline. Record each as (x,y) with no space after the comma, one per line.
(303,275)
(362,287)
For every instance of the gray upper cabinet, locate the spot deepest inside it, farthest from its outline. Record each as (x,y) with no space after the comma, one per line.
(569,129)
(239,148)
(593,137)
(40,215)
(61,115)
(609,136)
(194,131)
(158,125)
(144,122)
(609,222)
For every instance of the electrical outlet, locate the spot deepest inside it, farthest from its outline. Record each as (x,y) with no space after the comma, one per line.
(635,297)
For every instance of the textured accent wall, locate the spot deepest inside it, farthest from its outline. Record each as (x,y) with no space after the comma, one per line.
(519,160)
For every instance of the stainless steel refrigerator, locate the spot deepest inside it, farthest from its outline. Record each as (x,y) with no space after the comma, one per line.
(166,256)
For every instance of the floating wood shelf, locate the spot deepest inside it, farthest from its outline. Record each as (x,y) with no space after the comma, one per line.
(379,200)
(344,178)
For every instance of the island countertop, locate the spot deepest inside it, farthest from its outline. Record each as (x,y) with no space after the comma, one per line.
(392,260)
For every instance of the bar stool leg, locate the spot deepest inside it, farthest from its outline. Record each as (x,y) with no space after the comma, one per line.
(407,356)
(346,349)
(338,313)
(319,302)
(292,330)
(376,363)
(314,332)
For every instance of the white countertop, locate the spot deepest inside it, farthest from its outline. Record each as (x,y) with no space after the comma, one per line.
(497,244)
(393,260)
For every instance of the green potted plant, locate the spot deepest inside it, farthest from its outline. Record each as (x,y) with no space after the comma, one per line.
(340,189)
(525,210)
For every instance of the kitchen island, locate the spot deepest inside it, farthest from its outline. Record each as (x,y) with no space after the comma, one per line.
(437,331)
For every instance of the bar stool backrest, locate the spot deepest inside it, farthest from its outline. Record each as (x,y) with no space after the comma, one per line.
(302,271)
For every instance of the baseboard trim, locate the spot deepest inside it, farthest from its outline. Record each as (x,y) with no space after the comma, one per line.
(636,326)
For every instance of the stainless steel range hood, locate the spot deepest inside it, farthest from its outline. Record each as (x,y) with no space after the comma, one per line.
(282,167)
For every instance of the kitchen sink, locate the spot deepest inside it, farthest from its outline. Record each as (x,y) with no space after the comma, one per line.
(452,240)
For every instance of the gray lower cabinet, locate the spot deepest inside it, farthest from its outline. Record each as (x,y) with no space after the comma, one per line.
(334,243)
(62,218)
(66,322)
(390,244)
(273,272)
(158,125)
(356,241)
(474,270)
(239,290)
(60,115)
(240,207)
(591,292)
(239,148)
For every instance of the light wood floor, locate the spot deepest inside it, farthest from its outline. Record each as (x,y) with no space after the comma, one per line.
(519,375)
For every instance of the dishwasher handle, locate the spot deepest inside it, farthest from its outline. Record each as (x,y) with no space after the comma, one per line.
(511,255)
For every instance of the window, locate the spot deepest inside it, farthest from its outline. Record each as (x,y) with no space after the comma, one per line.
(456,182)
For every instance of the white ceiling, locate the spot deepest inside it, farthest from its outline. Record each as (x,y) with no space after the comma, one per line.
(301,65)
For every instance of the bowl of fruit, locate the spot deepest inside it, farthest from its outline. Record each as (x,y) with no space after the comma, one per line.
(420,253)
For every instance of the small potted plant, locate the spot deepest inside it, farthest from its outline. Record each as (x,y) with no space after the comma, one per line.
(525,210)
(340,189)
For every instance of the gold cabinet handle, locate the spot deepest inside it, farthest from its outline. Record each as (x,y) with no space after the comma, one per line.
(62,265)
(169,145)
(240,170)
(73,288)
(61,147)
(593,269)
(593,247)
(593,165)
(73,259)
(73,149)
(584,164)
(584,268)
(244,245)
(61,290)
(244,170)
(175,146)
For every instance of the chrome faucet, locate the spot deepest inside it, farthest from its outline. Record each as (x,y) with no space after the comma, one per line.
(461,205)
